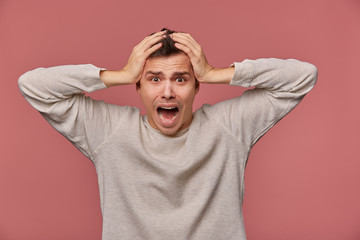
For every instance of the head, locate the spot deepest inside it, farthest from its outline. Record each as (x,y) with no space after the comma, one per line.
(168,88)
(168,48)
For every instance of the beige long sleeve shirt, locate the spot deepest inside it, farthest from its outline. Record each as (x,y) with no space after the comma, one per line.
(155,187)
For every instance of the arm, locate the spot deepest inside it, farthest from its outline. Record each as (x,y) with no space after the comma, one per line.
(57,93)
(204,73)
(132,72)
(279,86)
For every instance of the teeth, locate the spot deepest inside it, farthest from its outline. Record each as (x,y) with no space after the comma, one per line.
(169,108)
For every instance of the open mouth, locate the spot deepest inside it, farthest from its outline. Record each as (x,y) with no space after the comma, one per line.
(167,113)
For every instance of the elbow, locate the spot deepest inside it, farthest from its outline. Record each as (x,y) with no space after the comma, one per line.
(309,78)
(306,75)
(23,82)
(312,74)
(27,82)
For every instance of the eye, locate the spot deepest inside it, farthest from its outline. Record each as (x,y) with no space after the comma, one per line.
(180,80)
(155,79)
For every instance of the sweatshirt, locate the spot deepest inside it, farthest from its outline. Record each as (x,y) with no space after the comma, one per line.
(155,187)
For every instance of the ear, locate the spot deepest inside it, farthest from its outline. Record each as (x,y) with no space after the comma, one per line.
(197,88)
(138,86)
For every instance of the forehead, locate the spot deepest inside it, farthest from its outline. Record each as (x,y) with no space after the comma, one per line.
(172,63)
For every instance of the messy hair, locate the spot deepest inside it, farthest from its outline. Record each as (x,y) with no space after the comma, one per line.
(167,49)
(168,45)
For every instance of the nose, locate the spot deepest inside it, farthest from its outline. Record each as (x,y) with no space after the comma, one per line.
(168,90)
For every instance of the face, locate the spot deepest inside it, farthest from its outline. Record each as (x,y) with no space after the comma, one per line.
(167,89)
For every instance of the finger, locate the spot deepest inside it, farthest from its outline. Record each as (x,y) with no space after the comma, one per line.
(185,49)
(186,39)
(153,35)
(188,48)
(152,49)
(150,40)
(185,36)
(148,44)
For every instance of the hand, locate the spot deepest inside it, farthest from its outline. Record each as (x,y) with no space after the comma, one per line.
(193,50)
(139,55)
(203,71)
(132,71)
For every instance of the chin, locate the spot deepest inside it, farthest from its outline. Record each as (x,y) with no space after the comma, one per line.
(169,131)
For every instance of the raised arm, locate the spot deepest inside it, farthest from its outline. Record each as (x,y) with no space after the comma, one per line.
(279,85)
(57,93)
(132,72)
(203,71)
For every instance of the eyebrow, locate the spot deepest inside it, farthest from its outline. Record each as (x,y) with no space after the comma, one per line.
(174,74)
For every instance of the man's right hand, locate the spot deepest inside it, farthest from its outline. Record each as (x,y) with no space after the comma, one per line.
(132,71)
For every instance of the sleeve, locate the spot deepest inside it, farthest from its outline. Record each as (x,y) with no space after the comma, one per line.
(278,87)
(57,93)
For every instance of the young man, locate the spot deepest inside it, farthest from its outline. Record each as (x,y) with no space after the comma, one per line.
(172,174)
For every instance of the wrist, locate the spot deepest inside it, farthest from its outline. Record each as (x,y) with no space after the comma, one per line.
(220,75)
(116,77)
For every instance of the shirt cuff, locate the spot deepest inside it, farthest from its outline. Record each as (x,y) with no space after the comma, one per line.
(243,73)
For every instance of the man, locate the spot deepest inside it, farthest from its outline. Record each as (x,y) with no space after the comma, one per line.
(172,174)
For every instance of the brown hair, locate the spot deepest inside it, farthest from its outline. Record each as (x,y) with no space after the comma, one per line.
(167,49)
(168,45)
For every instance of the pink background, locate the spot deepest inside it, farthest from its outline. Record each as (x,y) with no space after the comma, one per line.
(302,179)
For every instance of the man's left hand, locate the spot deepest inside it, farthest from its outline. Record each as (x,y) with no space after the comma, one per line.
(203,71)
